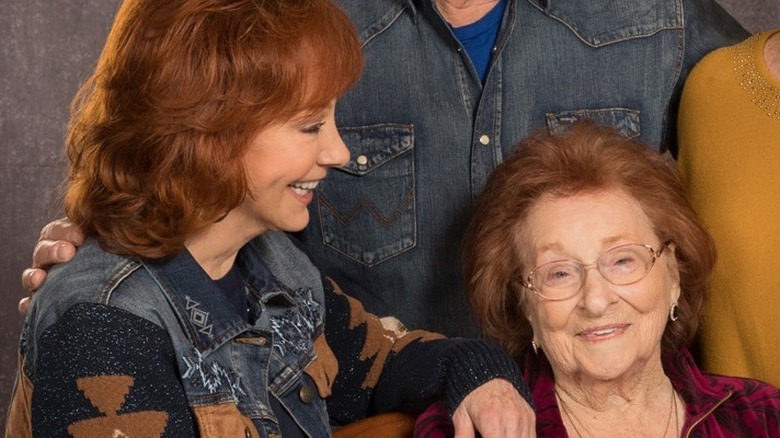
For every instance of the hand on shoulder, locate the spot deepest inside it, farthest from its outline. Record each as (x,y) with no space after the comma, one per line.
(56,244)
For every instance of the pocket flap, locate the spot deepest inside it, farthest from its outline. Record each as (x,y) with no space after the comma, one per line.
(625,120)
(372,146)
(609,21)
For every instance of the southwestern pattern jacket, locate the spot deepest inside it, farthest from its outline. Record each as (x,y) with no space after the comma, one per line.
(118,346)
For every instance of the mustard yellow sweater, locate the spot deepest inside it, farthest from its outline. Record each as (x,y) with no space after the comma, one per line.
(729,139)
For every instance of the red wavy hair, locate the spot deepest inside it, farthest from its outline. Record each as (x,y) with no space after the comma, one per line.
(586,159)
(158,132)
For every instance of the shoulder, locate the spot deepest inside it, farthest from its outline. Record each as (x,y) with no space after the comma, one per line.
(94,277)
(619,22)
(737,405)
(724,69)
(88,278)
(728,393)
(755,403)
(370,17)
(722,58)
(708,26)
(749,392)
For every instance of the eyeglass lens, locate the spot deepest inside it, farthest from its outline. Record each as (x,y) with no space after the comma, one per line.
(621,265)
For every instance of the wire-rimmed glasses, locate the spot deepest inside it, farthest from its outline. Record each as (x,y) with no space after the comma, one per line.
(621,265)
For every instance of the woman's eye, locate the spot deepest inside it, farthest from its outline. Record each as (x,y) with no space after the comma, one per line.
(313,129)
(559,275)
(623,261)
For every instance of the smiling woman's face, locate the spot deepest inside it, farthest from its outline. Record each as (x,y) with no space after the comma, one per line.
(284,163)
(605,332)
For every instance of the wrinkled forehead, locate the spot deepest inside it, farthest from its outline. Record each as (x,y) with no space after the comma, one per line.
(592,220)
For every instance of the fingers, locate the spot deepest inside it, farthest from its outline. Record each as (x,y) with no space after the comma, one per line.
(24,305)
(496,410)
(462,424)
(62,229)
(56,244)
(33,278)
(51,252)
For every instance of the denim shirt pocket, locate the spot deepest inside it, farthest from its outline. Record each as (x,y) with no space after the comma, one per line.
(624,120)
(367,208)
(608,21)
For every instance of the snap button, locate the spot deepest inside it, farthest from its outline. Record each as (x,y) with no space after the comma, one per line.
(306,394)
(484,139)
(362,160)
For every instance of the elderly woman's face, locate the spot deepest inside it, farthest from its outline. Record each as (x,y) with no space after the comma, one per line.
(604,331)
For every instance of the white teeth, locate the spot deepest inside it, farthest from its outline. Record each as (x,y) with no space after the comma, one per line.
(302,188)
(603,332)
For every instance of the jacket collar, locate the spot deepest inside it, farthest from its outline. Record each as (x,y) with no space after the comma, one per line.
(207,316)
(701,392)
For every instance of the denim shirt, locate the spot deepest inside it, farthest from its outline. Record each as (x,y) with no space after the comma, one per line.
(424,132)
(222,361)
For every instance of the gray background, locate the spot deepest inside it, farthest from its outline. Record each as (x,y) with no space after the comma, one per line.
(47,49)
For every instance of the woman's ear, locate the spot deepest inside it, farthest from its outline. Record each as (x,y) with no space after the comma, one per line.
(675,291)
(674,272)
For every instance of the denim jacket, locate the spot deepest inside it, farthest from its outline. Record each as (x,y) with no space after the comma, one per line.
(153,348)
(424,133)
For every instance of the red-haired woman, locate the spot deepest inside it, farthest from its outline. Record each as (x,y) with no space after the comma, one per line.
(196,144)
(586,261)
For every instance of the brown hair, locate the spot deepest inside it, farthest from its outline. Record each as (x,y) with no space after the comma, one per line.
(586,158)
(159,130)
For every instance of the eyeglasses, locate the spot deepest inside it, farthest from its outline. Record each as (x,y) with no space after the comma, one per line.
(622,265)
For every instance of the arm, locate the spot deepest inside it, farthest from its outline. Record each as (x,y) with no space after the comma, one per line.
(99,370)
(383,368)
(56,244)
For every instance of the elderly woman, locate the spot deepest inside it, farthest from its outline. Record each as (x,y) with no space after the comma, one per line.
(198,141)
(587,263)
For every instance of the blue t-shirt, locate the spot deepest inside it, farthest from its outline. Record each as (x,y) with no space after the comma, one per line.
(232,285)
(479,37)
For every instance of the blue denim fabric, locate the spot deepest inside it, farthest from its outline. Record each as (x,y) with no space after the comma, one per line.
(424,133)
(221,357)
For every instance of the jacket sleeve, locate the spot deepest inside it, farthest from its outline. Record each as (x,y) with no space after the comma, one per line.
(384,367)
(99,371)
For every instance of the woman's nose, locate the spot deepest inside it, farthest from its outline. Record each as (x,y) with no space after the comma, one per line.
(334,152)
(597,293)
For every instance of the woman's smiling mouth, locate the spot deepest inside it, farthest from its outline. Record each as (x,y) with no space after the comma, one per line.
(304,188)
(603,332)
